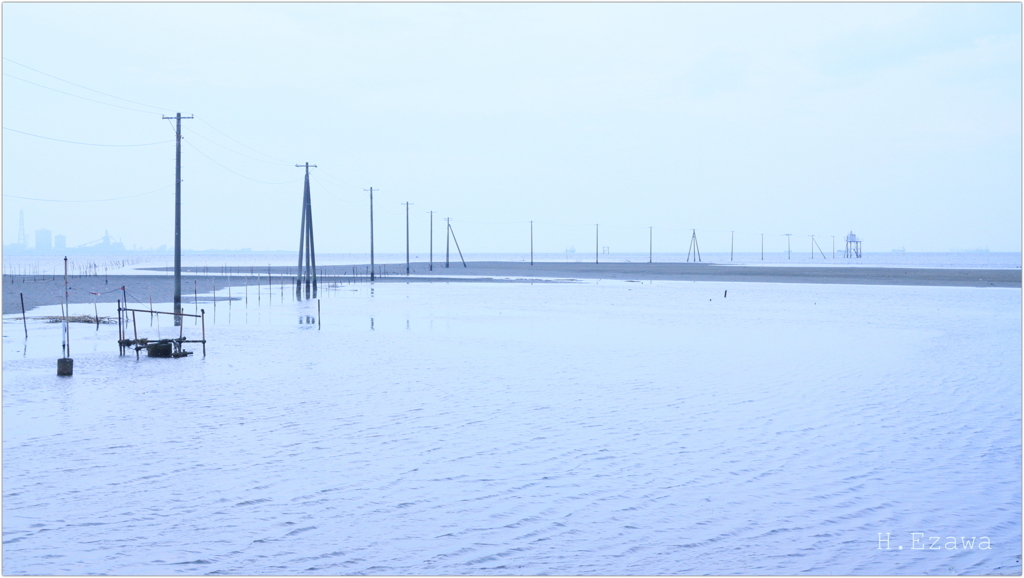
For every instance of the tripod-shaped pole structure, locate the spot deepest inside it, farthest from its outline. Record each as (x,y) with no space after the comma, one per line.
(694,248)
(306,245)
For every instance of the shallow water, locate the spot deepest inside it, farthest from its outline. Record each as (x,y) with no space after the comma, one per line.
(590,428)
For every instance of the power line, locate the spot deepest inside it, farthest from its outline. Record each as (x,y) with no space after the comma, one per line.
(200,135)
(237,173)
(246,146)
(77,96)
(80,86)
(88,200)
(87,143)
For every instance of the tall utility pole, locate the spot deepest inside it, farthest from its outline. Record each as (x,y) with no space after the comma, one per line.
(371,233)
(431,240)
(531,243)
(406,238)
(789,252)
(306,243)
(177,219)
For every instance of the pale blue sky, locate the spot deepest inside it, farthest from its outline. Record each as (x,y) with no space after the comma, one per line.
(901,122)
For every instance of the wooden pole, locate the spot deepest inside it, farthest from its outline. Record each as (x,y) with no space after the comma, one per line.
(23,322)
(204,331)
(406,241)
(457,245)
(136,329)
(67,306)
(372,277)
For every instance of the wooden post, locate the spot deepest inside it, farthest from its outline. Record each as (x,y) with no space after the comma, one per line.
(23,322)
(318,314)
(136,328)
(204,330)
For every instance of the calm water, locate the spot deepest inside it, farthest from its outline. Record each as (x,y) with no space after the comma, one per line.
(589,428)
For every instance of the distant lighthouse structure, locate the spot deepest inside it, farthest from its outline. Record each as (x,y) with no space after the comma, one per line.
(852,246)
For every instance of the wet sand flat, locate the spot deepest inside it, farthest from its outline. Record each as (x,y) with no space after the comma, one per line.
(46,290)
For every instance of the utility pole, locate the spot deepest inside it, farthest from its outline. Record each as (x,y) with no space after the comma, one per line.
(431,240)
(452,233)
(694,248)
(789,252)
(406,238)
(306,242)
(177,219)
(531,243)
(371,233)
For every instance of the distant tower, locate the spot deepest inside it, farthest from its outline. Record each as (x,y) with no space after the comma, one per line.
(43,240)
(22,238)
(60,242)
(852,246)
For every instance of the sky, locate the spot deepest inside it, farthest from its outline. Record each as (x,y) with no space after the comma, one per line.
(899,122)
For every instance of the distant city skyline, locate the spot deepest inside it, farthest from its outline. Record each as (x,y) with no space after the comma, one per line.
(900,122)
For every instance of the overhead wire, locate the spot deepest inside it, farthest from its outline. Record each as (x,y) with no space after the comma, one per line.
(80,86)
(78,96)
(200,135)
(87,143)
(235,172)
(89,200)
(246,146)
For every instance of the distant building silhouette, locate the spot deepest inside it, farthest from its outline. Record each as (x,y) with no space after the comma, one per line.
(60,242)
(43,240)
